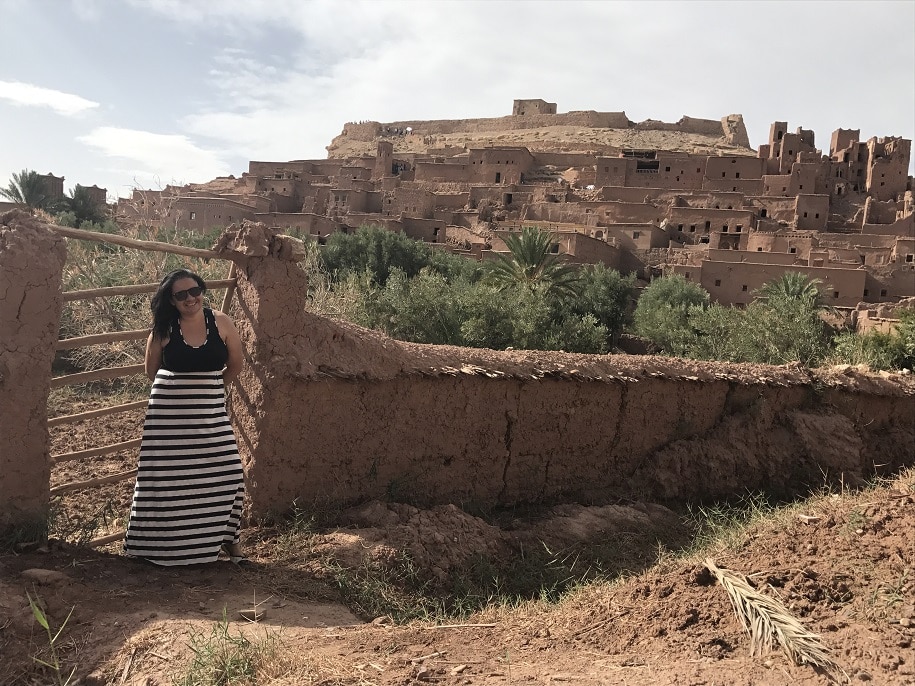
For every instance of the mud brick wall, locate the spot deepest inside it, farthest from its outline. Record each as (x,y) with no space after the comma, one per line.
(31,264)
(331,413)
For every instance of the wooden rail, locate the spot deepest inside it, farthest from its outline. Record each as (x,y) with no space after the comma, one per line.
(101,412)
(110,538)
(150,246)
(96,339)
(95,452)
(137,289)
(97,375)
(98,481)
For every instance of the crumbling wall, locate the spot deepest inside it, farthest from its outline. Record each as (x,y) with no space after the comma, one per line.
(330,412)
(31,264)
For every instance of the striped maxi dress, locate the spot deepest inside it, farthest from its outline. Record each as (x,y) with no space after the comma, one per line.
(190,484)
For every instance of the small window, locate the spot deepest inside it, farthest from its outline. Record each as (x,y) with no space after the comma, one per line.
(758,249)
(686,275)
(882,292)
(805,215)
(744,288)
(792,250)
(636,234)
(698,170)
(910,258)
(763,212)
(835,294)
(724,229)
(737,175)
(708,225)
(692,228)
(606,169)
(667,169)
(722,174)
(816,216)
(717,282)
(193,215)
(554,248)
(738,228)
(866,292)
(801,187)
(679,227)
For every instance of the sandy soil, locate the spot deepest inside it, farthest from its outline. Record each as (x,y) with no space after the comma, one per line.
(844,565)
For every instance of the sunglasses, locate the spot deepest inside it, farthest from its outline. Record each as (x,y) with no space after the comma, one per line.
(193,292)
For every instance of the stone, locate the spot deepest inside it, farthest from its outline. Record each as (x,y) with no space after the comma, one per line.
(45,577)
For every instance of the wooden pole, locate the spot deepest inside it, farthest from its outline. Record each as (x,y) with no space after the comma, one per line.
(134,290)
(97,375)
(89,483)
(110,538)
(101,412)
(96,339)
(95,452)
(227,298)
(151,246)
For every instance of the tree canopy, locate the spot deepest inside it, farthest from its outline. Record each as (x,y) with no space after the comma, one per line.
(531,263)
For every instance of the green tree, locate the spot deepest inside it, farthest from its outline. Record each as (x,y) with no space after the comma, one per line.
(878,350)
(83,208)
(375,250)
(28,188)
(530,263)
(606,295)
(662,314)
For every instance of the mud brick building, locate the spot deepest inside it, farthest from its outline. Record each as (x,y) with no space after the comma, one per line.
(690,197)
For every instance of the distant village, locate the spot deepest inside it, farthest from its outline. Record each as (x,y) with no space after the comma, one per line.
(704,206)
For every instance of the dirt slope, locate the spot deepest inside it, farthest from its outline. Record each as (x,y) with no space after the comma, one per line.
(843,565)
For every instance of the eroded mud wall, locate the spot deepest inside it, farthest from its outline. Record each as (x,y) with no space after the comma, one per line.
(329,412)
(475,440)
(31,263)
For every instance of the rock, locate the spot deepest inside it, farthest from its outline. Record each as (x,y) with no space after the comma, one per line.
(45,577)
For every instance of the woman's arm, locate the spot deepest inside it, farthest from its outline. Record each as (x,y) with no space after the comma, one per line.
(154,347)
(229,334)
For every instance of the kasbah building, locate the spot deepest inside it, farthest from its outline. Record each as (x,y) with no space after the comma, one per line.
(689,198)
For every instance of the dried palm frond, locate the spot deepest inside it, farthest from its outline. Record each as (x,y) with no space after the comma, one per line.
(768,622)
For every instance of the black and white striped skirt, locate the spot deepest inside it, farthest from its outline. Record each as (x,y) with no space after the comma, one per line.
(190,485)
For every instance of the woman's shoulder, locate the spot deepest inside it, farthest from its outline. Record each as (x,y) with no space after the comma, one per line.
(221,318)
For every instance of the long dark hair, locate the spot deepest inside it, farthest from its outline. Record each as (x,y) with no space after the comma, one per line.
(163,311)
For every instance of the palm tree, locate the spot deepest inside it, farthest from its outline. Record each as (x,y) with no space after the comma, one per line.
(531,263)
(793,287)
(28,188)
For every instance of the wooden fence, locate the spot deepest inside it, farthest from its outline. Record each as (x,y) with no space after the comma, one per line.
(115,372)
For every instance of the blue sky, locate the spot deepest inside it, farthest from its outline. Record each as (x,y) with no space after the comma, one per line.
(121,93)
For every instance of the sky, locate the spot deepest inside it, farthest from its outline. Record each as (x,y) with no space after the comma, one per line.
(143,93)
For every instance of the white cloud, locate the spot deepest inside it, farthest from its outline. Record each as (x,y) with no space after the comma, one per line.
(165,156)
(27,94)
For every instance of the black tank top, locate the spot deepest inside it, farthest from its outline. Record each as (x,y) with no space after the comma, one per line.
(178,356)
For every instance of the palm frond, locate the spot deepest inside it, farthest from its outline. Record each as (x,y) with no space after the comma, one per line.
(768,622)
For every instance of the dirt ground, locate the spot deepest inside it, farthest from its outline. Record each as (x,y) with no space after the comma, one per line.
(843,564)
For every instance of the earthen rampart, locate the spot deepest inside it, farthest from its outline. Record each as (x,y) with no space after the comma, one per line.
(730,128)
(330,412)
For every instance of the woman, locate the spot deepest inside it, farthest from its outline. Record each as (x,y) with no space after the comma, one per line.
(190,486)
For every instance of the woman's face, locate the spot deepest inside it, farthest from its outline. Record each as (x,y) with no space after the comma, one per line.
(191,304)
